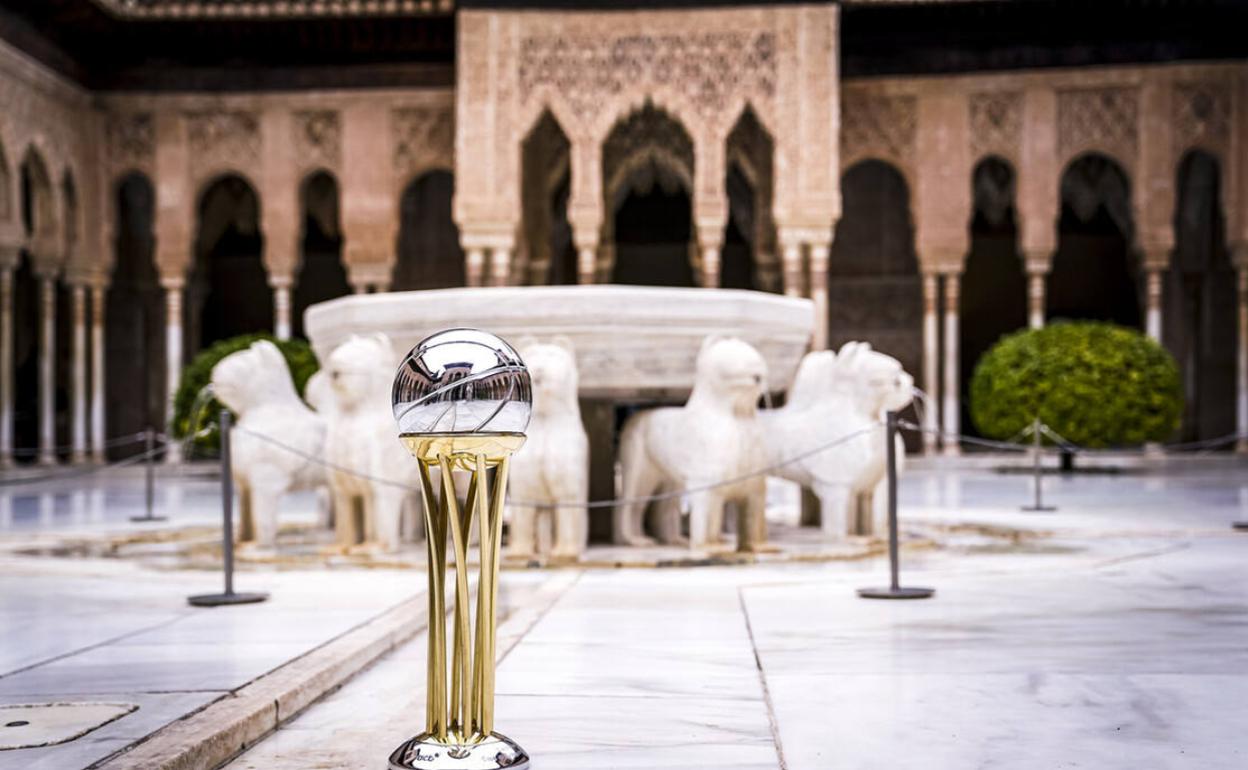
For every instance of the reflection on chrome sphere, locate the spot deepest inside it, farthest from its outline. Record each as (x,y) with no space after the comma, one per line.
(462,381)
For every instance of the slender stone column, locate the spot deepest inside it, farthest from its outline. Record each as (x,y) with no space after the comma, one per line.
(281,308)
(710,266)
(1241,344)
(500,266)
(6,365)
(47,370)
(951,407)
(78,403)
(474,263)
(1035,298)
(586,264)
(791,264)
(819,292)
(1153,302)
(173,355)
(931,345)
(97,373)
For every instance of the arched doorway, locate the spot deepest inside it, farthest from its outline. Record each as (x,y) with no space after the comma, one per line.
(748,258)
(875,293)
(550,254)
(429,256)
(134,316)
(38,221)
(1094,272)
(1200,309)
(993,297)
(321,275)
(647,170)
(228,293)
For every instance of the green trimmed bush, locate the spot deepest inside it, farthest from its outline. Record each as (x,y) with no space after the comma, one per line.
(1096,384)
(198,373)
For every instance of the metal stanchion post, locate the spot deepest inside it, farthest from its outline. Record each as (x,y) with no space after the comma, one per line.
(227,506)
(894,589)
(149,478)
(1037,471)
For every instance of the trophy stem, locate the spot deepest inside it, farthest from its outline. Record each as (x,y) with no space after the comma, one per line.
(460,728)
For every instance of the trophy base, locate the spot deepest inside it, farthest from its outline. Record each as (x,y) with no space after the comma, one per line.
(424,752)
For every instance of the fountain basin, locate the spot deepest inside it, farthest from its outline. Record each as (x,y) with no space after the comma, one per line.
(633,343)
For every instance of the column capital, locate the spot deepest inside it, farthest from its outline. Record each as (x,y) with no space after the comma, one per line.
(1156,258)
(281,280)
(172,282)
(1037,262)
(1239,255)
(10,255)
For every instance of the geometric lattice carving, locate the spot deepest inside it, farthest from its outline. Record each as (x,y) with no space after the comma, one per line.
(996,124)
(1098,118)
(423,137)
(317,138)
(223,138)
(708,68)
(882,127)
(131,140)
(1202,116)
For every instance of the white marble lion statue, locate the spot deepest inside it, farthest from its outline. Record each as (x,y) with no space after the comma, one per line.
(715,437)
(553,465)
(834,395)
(255,384)
(371,474)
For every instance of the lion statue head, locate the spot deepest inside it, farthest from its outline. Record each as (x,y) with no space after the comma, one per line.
(253,377)
(729,370)
(876,381)
(552,368)
(360,370)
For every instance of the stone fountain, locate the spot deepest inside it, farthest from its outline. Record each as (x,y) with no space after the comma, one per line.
(635,345)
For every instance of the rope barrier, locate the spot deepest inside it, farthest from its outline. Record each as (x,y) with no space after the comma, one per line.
(593,504)
(1064,444)
(80,472)
(116,441)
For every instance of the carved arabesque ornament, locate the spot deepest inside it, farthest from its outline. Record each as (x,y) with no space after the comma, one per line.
(707,68)
(651,146)
(1098,119)
(424,137)
(223,139)
(996,124)
(131,140)
(1202,116)
(881,127)
(317,137)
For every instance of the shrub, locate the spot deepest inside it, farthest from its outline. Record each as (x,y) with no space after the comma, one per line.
(1096,384)
(198,373)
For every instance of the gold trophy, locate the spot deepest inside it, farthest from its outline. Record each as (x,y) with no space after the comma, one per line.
(462,399)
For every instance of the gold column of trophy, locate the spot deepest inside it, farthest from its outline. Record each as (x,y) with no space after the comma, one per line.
(462,399)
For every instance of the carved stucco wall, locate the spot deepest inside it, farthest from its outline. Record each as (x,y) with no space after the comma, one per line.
(45,115)
(593,69)
(373,143)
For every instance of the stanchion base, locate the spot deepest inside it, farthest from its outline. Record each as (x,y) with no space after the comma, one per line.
(1038,508)
(427,753)
(1239,526)
(896,593)
(218,600)
(149,518)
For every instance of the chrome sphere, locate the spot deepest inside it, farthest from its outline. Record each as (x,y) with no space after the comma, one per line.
(462,381)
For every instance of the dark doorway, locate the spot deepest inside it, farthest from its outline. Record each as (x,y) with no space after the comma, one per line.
(550,254)
(228,293)
(653,232)
(1094,273)
(26,330)
(1199,311)
(875,293)
(134,318)
(321,275)
(993,297)
(737,256)
(429,253)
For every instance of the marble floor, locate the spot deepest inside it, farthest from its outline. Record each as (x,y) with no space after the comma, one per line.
(1114,635)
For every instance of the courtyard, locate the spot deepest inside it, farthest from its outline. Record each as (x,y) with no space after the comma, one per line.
(1110,633)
